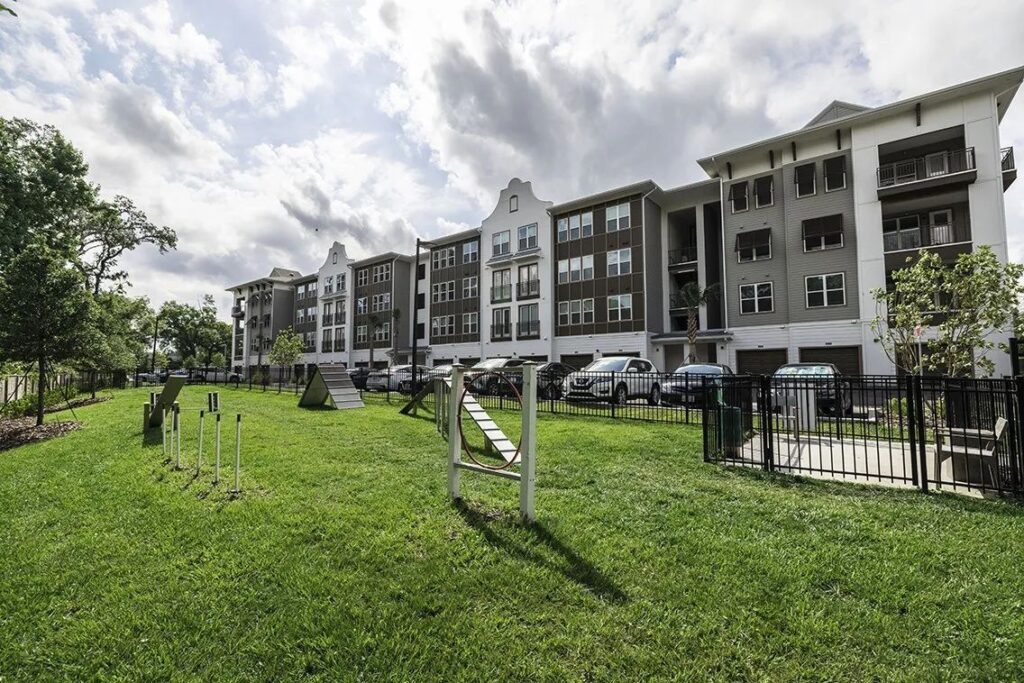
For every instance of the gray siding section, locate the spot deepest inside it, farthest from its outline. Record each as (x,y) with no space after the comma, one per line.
(655,296)
(401,299)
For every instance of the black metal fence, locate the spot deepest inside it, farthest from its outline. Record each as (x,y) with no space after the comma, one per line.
(941,433)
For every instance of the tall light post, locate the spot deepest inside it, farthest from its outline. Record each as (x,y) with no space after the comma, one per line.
(416,309)
(156,331)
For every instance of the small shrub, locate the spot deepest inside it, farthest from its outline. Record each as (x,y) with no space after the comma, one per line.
(26,405)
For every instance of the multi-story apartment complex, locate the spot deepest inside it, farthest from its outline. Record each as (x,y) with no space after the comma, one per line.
(793,233)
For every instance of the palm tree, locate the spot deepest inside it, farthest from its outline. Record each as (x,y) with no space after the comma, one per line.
(692,298)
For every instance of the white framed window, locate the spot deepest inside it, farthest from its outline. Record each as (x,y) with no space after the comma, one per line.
(588,311)
(757,298)
(311,313)
(620,262)
(823,233)
(341,282)
(442,258)
(825,290)
(754,245)
(617,217)
(360,334)
(329,284)
(382,333)
(500,243)
(470,287)
(528,237)
(575,312)
(382,272)
(381,302)
(620,307)
(586,224)
(361,305)
(563,229)
(804,176)
(574,227)
(334,257)
(362,277)
(587,267)
(835,173)
(529,321)
(563,271)
(738,197)
(764,191)
(471,252)
(442,291)
(442,326)
(300,316)
(470,323)
(563,313)
(513,203)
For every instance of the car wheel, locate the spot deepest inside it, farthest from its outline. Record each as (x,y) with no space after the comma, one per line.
(621,395)
(655,397)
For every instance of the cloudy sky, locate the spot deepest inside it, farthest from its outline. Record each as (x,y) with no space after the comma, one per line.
(262,131)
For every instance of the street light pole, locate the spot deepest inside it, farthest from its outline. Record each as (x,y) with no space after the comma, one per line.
(156,331)
(415,314)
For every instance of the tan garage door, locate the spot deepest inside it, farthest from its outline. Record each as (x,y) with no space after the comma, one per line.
(760,361)
(846,358)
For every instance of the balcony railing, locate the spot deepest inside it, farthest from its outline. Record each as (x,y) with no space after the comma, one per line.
(1006,159)
(528,288)
(328,320)
(326,347)
(501,332)
(922,168)
(528,329)
(682,255)
(501,293)
(925,236)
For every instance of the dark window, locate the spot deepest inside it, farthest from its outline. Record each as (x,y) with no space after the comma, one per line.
(823,233)
(421,330)
(738,196)
(805,180)
(421,300)
(513,203)
(421,271)
(754,245)
(764,191)
(835,173)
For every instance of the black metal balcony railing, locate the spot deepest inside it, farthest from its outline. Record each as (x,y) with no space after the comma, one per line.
(501,331)
(339,344)
(682,255)
(930,166)
(528,288)
(501,293)
(933,235)
(1006,159)
(328,320)
(527,329)
(326,347)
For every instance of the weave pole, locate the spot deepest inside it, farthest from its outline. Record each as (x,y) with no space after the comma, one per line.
(176,440)
(199,457)
(238,454)
(216,465)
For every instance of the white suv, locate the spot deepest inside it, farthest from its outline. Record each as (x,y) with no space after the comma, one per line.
(616,379)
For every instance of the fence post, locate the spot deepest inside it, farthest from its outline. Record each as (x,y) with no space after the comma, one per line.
(613,397)
(1016,463)
(767,414)
(528,456)
(704,410)
(454,438)
(912,421)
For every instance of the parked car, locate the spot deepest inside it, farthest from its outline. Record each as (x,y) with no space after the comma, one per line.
(478,381)
(150,377)
(218,376)
(402,374)
(833,394)
(549,380)
(359,377)
(388,379)
(440,371)
(686,384)
(615,379)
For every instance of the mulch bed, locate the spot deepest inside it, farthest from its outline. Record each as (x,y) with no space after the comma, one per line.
(23,430)
(76,403)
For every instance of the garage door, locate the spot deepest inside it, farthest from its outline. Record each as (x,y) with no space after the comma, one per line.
(760,361)
(846,358)
(577,360)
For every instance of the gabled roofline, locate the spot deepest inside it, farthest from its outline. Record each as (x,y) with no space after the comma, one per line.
(386,256)
(641,187)
(455,237)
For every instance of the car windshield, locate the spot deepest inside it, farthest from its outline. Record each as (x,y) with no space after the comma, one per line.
(698,370)
(803,371)
(490,364)
(607,365)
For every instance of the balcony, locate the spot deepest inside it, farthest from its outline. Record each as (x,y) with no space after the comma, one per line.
(931,170)
(501,293)
(1007,166)
(237,312)
(528,289)
(501,332)
(899,238)
(326,346)
(528,329)
(682,256)
(328,320)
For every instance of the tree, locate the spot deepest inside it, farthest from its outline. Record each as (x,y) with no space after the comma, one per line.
(693,298)
(48,316)
(966,303)
(125,327)
(193,331)
(111,229)
(5,8)
(287,350)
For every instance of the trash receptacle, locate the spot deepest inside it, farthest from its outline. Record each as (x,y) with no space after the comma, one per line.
(731,430)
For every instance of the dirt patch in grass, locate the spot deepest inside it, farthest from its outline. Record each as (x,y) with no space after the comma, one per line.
(23,430)
(77,403)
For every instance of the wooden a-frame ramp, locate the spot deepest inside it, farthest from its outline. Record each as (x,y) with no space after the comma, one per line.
(495,438)
(330,381)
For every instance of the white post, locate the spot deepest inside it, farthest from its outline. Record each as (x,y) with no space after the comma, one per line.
(454,440)
(163,428)
(176,437)
(199,457)
(216,465)
(528,450)
(238,453)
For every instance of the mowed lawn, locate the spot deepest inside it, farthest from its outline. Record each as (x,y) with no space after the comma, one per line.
(344,560)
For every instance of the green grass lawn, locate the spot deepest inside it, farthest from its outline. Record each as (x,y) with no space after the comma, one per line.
(344,560)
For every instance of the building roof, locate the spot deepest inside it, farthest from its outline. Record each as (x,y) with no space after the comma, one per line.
(277,274)
(1003,84)
(640,187)
(456,237)
(380,258)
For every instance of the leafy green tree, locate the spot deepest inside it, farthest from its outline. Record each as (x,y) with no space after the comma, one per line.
(693,298)
(287,350)
(5,8)
(193,331)
(47,315)
(125,327)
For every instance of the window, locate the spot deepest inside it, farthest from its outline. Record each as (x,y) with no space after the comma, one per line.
(362,277)
(804,176)
(500,243)
(470,287)
(835,173)
(617,217)
(470,323)
(382,273)
(738,197)
(501,323)
(442,291)
(576,311)
(341,282)
(501,285)
(764,191)
(825,290)
(329,284)
(300,316)
(619,262)
(334,257)
(588,311)
(754,245)
(563,271)
(328,316)
(529,321)
(361,305)
(360,334)
(471,252)
(311,313)
(574,227)
(901,233)
(563,229)
(528,237)
(382,333)
(587,267)
(513,203)
(326,346)
(442,326)
(529,282)
(442,258)
(563,313)
(587,224)
(620,307)
(380,302)
(757,298)
(823,233)
(339,338)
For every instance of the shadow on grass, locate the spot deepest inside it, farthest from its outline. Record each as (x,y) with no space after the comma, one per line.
(574,567)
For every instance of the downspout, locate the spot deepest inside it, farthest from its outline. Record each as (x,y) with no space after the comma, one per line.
(643,221)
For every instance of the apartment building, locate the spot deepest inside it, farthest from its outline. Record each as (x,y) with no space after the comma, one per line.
(793,232)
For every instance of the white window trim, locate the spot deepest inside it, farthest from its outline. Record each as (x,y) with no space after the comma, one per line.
(824,291)
(755,285)
(814,181)
(732,203)
(757,202)
(824,174)
(825,247)
(618,299)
